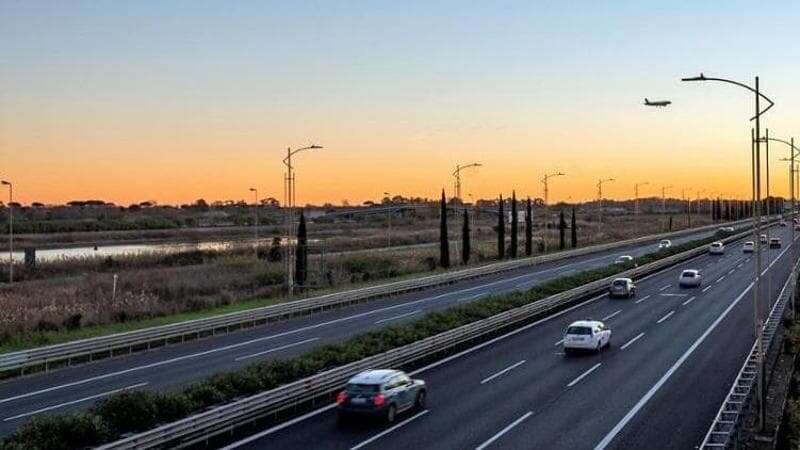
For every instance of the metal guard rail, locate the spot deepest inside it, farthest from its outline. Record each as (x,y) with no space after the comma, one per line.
(726,426)
(207,424)
(193,329)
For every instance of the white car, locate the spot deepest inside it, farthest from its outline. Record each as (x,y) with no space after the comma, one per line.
(725,229)
(586,335)
(623,259)
(690,278)
(748,247)
(716,248)
(763,238)
(666,243)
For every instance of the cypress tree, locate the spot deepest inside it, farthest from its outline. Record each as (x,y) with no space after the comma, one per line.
(501,232)
(444,243)
(301,260)
(529,229)
(562,225)
(514,225)
(670,223)
(466,248)
(574,229)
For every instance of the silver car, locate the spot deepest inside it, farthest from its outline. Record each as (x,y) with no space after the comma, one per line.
(381,393)
(690,278)
(622,287)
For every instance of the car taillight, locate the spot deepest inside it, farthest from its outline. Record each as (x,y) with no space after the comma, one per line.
(378,400)
(341,397)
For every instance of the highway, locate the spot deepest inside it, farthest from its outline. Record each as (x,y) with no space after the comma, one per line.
(78,387)
(674,355)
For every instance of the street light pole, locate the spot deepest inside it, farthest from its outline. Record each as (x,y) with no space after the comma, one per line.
(10,230)
(600,197)
(457,175)
(255,214)
(289,204)
(636,204)
(546,209)
(664,204)
(389,214)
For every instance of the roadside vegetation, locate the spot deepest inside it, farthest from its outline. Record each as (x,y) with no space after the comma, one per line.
(136,411)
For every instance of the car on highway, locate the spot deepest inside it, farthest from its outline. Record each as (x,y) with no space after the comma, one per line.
(622,287)
(665,243)
(382,393)
(623,259)
(690,278)
(782,223)
(775,243)
(726,229)
(748,247)
(716,248)
(590,335)
(763,238)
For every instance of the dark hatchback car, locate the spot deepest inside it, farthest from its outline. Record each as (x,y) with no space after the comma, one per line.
(381,393)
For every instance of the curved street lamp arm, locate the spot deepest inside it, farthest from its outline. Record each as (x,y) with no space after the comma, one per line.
(460,168)
(297,150)
(705,78)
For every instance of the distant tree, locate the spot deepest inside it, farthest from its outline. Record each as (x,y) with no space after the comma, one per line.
(670,223)
(562,225)
(514,225)
(574,229)
(345,202)
(275,251)
(501,231)
(201,204)
(466,248)
(301,261)
(444,243)
(528,229)
(37,205)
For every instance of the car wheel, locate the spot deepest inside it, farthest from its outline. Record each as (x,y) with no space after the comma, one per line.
(420,402)
(391,413)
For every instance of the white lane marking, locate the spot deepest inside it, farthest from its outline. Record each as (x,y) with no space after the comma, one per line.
(706,288)
(739,266)
(647,396)
(277,349)
(665,287)
(584,375)
(720,279)
(688,301)
(627,344)
(61,405)
(611,315)
(389,430)
(471,297)
(559,342)
(416,311)
(642,299)
(731,271)
(279,427)
(503,372)
(669,314)
(674,295)
(504,431)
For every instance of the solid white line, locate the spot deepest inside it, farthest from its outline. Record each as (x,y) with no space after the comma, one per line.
(669,314)
(688,301)
(503,372)
(584,374)
(389,430)
(416,311)
(278,427)
(647,396)
(559,342)
(665,287)
(674,295)
(611,315)
(504,431)
(627,344)
(706,288)
(60,405)
(276,349)
(642,299)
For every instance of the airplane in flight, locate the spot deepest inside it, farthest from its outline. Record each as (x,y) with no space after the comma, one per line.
(658,103)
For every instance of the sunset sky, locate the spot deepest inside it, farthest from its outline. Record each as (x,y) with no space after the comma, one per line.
(178,100)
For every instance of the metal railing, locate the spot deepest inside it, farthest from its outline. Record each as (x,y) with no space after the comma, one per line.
(724,431)
(225,418)
(85,350)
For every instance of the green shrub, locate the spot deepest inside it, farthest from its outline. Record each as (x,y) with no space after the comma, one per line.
(128,411)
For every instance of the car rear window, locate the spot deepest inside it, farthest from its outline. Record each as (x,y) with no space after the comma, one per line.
(363,388)
(620,282)
(579,330)
(688,274)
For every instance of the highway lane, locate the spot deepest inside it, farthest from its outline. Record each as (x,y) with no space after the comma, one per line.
(78,387)
(522,392)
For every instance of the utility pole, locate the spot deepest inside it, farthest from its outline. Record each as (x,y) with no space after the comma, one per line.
(664,204)
(10,230)
(389,217)
(457,175)
(546,210)
(636,204)
(600,197)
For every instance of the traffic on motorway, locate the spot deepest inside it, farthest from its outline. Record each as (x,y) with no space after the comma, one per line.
(79,387)
(643,359)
